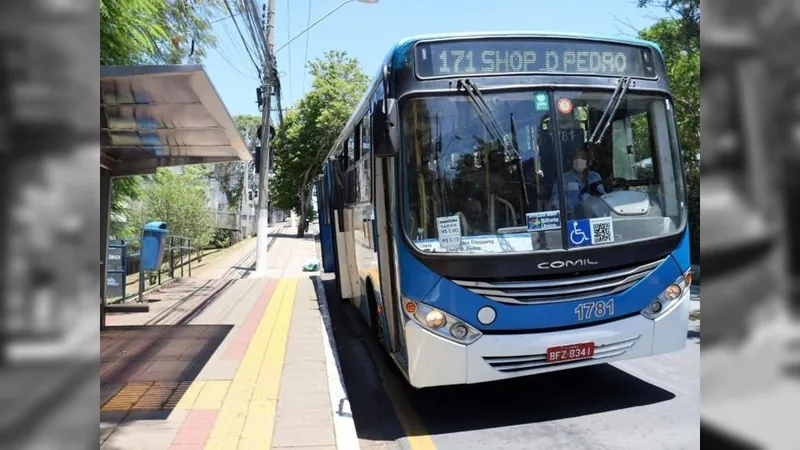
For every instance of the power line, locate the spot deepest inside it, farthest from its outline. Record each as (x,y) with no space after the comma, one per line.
(222,54)
(254,26)
(239,56)
(246,47)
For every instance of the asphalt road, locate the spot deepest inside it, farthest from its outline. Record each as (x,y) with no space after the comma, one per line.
(650,403)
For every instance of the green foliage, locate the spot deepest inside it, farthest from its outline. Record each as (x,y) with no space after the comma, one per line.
(181,201)
(246,125)
(155,31)
(230,176)
(679,39)
(686,14)
(221,239)
(312,128)
(125,191)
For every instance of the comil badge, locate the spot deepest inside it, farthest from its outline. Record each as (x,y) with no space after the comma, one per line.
(564,106)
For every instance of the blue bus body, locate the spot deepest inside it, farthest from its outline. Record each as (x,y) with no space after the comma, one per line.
(471,316)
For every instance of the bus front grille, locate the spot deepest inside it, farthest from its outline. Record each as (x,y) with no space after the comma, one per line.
(560,289)
(510,364)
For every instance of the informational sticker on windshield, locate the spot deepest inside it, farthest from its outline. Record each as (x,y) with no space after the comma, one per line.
(540,101)
(602,230)
(544,220)
(506,243)
(595,231)
(449,231)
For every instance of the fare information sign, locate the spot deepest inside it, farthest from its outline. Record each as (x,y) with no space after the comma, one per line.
(475,57)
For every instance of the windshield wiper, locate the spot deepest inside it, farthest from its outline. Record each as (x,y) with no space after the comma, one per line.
(605,119)
(491,124)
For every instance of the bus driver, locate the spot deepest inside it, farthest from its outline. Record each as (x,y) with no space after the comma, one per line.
(577,180)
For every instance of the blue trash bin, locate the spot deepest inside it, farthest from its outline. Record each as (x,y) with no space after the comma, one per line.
(153,239)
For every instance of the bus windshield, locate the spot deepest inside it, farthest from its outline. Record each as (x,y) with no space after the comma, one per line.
(469,189)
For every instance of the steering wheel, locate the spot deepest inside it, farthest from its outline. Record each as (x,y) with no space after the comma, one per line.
(592,190)
(609,185)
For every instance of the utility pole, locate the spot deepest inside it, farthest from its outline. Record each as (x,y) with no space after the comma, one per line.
(244,204)
(263,176)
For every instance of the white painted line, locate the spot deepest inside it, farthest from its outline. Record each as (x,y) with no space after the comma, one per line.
(343,424)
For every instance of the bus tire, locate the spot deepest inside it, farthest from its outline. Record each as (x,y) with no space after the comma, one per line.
(374,316)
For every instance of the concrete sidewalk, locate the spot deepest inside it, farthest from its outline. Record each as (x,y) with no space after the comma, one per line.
(243,362)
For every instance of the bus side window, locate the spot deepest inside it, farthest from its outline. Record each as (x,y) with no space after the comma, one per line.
(349,176)
(365,172)
(359,163)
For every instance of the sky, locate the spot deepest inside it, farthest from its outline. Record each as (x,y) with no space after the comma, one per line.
(368,31)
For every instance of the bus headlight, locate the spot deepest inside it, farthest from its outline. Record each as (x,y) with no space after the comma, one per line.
(669,298)
(440,323)
(435,319)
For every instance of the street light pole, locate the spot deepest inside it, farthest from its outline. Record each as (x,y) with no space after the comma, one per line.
(263,178)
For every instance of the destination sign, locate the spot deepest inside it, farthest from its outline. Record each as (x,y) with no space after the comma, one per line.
(532,56)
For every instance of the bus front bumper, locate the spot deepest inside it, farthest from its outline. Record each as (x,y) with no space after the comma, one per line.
(435,361)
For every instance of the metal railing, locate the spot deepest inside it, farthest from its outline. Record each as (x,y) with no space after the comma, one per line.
(176,260)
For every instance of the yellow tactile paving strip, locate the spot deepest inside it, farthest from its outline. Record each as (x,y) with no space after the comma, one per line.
(247,414)
(247,403)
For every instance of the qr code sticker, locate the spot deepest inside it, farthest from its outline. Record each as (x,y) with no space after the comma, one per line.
(602,230)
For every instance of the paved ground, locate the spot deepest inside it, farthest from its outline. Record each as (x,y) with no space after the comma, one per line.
(649,403)
(238,362)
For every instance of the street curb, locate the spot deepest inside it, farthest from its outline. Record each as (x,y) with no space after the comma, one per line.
(343,424)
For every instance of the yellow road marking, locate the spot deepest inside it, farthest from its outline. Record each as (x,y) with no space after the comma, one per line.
(247,414)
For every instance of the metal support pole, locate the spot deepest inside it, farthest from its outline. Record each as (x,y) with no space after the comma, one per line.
(141,269)
(181,252)
(190,256)
(263,176)
(245,203)
(171,257)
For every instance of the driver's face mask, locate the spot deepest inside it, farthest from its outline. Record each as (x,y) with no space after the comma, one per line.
(579,164)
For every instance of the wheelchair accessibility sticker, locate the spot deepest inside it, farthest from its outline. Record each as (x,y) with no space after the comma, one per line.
(590,231)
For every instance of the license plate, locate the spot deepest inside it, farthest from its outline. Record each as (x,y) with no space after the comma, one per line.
(570,352)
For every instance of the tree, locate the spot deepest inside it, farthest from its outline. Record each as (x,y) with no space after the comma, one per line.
(230,176)
(155,31)
(125,191)
(684,13)
(180,200)
(312,128)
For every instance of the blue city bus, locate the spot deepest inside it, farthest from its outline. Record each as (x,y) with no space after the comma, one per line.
(507,204)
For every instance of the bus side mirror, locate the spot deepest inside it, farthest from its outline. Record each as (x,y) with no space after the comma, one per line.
(385,128)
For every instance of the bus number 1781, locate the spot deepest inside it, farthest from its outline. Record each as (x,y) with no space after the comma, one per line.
(595,310)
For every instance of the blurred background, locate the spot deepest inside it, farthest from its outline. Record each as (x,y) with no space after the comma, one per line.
(750,126)
(49,223)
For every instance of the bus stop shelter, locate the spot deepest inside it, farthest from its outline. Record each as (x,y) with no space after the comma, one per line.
(158,116)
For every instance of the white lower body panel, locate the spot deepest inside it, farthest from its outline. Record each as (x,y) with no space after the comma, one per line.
(435,361)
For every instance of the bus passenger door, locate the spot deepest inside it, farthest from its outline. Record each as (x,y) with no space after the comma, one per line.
(383,180)
(339,225)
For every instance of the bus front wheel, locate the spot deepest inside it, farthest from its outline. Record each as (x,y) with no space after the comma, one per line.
(375,318)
